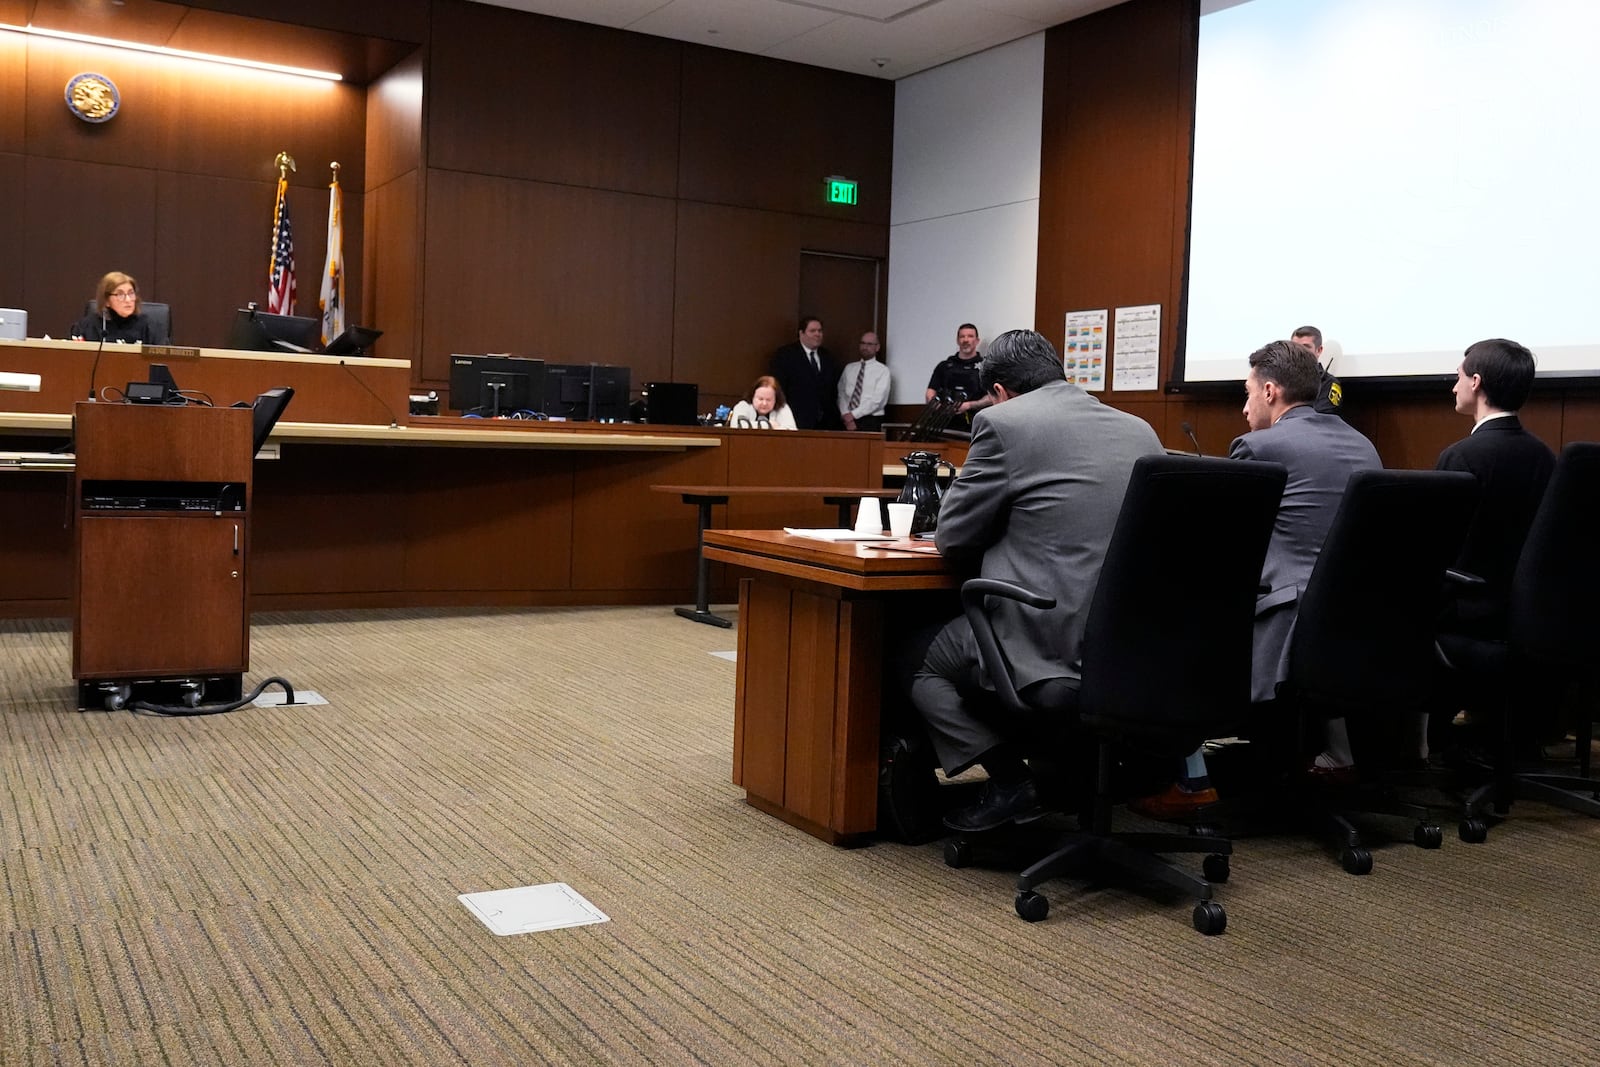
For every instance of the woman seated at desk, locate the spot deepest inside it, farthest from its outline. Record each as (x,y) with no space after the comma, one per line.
(120,310)
(763,408)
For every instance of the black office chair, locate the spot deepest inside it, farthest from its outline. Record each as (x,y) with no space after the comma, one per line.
(1552,638)
(1362,647)
(1166,655)
(158,315)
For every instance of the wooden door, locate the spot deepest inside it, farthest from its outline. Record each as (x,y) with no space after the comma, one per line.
(844,292)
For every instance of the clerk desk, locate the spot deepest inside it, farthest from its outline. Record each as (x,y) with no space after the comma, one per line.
(367,506)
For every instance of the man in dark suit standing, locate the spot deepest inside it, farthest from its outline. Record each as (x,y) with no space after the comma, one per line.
(809,377)
(1035,504)
(1512,466)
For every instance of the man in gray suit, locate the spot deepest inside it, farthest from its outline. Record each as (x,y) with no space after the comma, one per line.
(1035,504)
(1321,452)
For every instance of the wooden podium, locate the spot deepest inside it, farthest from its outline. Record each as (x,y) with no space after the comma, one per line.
(162,507)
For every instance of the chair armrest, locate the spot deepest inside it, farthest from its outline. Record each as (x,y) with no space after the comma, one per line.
(1463,577)
(973,594)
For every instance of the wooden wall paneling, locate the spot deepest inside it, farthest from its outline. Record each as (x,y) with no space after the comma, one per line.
(564,274)
(13,269)
(211,241)
(501,520)
(1580,421)
(36,547)
(624,536)
(394,122)
(329,519)
(737,279)
(249,120)
(391,260)
(357,57)
(1096,107)
(132,139)
(13,90)
(590,106)
(764,133)
(147,22)
(813,685)
(764,634)
(1544,416)
(83,219)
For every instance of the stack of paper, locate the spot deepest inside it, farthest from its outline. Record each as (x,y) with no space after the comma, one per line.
(838,535)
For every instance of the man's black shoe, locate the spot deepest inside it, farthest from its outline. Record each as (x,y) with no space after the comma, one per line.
(998,806)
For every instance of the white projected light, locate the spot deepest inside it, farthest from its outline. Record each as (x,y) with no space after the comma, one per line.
(1410,176)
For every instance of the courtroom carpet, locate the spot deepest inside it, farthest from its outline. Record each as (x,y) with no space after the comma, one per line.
(279,887)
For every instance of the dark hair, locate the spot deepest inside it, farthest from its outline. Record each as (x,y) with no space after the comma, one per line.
(1506,368)
(1308,331)
(1022,361)
(1291,366)
(807,320)
(771,383)
(968,326)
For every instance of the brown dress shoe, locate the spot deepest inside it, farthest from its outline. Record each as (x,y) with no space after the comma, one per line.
(1174,804)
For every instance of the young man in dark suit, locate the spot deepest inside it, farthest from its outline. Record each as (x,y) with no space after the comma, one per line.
(1512,466)
(809,377)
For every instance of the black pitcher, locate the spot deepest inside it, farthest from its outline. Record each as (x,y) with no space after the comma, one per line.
(923,488)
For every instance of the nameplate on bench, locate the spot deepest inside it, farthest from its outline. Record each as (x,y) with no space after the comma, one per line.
(170,352)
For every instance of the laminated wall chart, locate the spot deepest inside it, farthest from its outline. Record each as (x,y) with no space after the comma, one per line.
(1136,347)
(1084,354)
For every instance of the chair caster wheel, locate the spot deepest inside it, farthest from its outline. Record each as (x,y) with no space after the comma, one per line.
(1215,868)
(1427,835)
(1473,831)
(1209,918)
(958,853)
(1356,860)
(1031,906)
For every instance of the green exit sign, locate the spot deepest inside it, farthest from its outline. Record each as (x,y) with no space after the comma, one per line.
(841,191)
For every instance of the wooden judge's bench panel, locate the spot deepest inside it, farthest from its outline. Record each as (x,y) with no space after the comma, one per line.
(436,511)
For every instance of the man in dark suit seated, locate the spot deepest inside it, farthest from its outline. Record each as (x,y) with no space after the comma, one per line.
(1513,467)
(1035,503)
(809,377)
(1321,452)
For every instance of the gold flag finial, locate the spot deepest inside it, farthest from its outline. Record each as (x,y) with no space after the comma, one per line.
(335,167)
(284,163)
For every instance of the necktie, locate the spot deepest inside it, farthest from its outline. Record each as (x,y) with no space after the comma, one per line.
(855,393)
(816,364)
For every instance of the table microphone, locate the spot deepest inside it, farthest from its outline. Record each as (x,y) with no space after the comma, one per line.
(1189,432)
(95,369)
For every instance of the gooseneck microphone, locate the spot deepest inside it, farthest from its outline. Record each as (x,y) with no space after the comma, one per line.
(94,368)
(394,421)
(1189,432)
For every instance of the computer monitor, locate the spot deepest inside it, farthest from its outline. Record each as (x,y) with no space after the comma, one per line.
(593,392)
(267,410)
(491,386)
(354,341)
(672,403)
(258,331)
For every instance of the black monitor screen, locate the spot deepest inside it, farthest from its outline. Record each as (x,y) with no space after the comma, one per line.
(268,407)
(672,403)
(496,385)
(257,331)
(593,392)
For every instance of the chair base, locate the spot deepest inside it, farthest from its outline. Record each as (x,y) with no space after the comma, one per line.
(1492,801)
(1133,858)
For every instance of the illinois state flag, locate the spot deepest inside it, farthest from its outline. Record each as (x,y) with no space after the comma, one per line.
(280,274)
(332,300)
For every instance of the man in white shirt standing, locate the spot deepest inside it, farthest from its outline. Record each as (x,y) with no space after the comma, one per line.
(864,388)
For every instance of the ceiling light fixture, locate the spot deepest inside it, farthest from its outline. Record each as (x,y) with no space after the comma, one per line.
(179,53)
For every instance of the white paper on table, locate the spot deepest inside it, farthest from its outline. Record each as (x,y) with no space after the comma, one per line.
(838,535)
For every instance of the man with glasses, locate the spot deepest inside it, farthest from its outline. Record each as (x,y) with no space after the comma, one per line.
(118,317)
(864,388)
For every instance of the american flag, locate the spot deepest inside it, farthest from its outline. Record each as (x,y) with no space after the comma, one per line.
(333,271)
(280,277)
